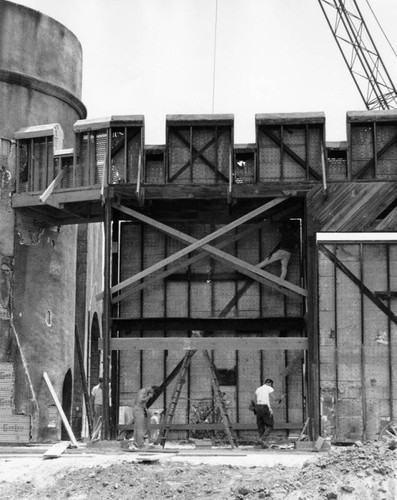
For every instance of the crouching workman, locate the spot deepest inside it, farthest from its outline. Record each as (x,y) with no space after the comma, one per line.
(264,412)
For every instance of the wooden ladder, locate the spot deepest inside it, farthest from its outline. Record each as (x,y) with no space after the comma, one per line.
(219,399)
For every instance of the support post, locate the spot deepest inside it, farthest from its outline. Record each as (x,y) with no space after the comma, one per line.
(313,382)
(106,314)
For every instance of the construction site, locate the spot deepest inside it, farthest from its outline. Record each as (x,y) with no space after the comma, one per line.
(147,266)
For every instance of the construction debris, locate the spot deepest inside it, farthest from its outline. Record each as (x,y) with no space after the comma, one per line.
(363,472)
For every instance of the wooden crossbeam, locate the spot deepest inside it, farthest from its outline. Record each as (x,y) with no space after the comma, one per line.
(249,270)
(366,291)
(291,153)
(218,323)
(194,246)
(196,154)
(178,265)
(237,426)
(371,162)
(207,343)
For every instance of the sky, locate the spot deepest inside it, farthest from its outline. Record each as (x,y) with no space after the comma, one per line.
(160,57)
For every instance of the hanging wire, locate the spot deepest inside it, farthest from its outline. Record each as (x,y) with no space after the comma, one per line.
(380,26)
(214,68)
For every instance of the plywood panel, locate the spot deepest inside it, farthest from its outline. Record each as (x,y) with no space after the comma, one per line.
(224,292)
(201,297)
(177,299)
(248,381)
(294,387)
(327,327)
(130,264)
(130,375)
(326,295)
(154,251)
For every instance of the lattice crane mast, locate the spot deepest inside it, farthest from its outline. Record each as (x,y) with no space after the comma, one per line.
(360,53)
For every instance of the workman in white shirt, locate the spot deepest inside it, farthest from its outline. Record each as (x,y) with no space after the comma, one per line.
(97,400)
(264,412)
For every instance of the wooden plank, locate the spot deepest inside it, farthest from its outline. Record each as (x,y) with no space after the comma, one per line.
(56,450)
(217,427)
(254,272)
(49,191)
(213,324)
(60,409)
(207,343)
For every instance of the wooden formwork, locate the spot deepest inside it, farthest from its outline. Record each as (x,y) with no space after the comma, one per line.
(205,289)
(372,140)
(357,329)
(111,147)
(290,146)
(199,149)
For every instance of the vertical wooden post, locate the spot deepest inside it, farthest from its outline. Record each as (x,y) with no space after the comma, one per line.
(106,313)
(313,394)
(18,167)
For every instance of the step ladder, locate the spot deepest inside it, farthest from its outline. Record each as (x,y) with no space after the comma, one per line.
(219,400)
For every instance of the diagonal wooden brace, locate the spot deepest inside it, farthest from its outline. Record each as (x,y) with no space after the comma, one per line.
(249,270)
(365,290)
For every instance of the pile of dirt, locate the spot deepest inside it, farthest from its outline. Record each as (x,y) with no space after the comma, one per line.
(362,472)
(356,472)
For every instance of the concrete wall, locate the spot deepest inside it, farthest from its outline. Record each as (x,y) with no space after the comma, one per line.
(40,82)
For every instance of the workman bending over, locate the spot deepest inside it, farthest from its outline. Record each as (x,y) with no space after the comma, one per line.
(141,416)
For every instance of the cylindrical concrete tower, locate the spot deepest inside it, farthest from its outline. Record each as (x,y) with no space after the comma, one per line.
(40,83)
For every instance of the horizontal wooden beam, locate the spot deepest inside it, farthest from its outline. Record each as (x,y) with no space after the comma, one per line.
(293,323)
(216,426)
(207,343)
(69,195)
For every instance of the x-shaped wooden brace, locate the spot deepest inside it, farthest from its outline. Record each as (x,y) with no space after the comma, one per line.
(249,270)
(196,154)
(173,268)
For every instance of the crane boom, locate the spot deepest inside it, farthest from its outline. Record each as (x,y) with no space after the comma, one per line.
(360,54)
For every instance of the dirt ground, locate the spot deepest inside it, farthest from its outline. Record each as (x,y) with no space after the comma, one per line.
(353,472)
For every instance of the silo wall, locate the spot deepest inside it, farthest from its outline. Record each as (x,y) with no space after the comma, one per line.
(40,83)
